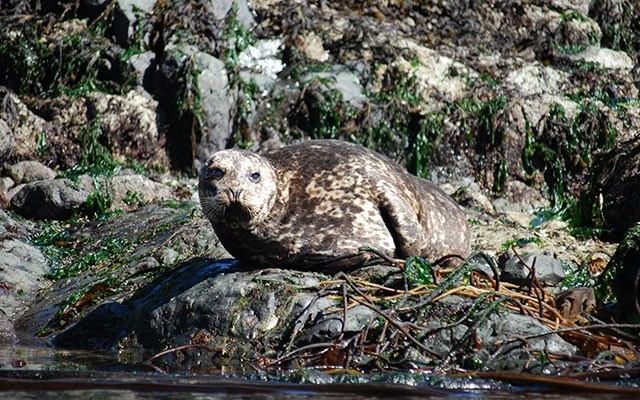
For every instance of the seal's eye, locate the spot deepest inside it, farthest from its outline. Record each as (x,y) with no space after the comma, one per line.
(255,177)
(216,173)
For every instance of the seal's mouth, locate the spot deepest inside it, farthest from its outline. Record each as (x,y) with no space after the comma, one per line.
(236,212)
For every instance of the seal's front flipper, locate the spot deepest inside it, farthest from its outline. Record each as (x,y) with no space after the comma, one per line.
(403,226)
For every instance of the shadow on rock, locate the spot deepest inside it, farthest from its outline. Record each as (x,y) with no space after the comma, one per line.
(108,324)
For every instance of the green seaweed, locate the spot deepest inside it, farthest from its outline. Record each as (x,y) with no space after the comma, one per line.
(418,271)
(620,24)
(563,148)
(236,38)
(423,145)
(95,159)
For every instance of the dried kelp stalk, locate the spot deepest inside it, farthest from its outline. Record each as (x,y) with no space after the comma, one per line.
(436,327)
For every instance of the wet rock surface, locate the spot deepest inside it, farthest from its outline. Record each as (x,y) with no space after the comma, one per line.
(23,268)
(260,312)
(519,269)
(111,259)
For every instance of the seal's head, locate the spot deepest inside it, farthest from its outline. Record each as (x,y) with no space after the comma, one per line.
(237,187)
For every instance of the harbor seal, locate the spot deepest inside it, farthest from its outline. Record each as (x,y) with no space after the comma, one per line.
(316,204)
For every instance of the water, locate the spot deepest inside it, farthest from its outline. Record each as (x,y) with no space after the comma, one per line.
(45,373)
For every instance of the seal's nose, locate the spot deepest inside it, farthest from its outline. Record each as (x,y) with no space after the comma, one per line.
(235,194)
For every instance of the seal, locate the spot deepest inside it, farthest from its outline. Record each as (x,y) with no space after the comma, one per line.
(317,204)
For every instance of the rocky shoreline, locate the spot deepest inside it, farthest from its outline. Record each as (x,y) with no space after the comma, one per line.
(526,113)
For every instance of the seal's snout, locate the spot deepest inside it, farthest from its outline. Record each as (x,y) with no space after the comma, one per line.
(234,194)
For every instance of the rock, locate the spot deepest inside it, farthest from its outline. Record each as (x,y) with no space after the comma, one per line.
(434,79)
(471,196)
(214,111)
(52,199)
(6,184)
(326,327)
(611,200)
(159,311)
(126,250)
(499,333)
(535,79)
(126,19)
(262,96)
(260,312)
(310,45)
(168,256)
(564,30)
(110,318)
(129,126)
(11,190)
(22,271)
(627,275)
(325,95)
(576,5)
(343,81)
(576,31)
(264,58)
(29,171)
(547,268)
(575,302)
(520,197)
(131,191)
(142,64)
(221,9)
(7,141)
(604,58)
(59,199)
(7,332)
(499,337)
(217,103)
(24,128)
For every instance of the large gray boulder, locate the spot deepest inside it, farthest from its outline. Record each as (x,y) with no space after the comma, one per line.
(196,86)
(52,199)
(217,101)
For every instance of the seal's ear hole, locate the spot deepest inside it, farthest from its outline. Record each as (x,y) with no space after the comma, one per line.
(216,173)
(255,177)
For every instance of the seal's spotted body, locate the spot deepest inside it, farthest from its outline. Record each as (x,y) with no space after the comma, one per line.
(311,204)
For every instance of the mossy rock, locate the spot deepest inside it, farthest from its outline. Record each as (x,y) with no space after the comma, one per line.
(612,201)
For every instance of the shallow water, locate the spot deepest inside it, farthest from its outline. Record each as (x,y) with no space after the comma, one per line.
(45,373)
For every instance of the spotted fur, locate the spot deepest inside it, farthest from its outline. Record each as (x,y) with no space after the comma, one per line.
(317,203)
